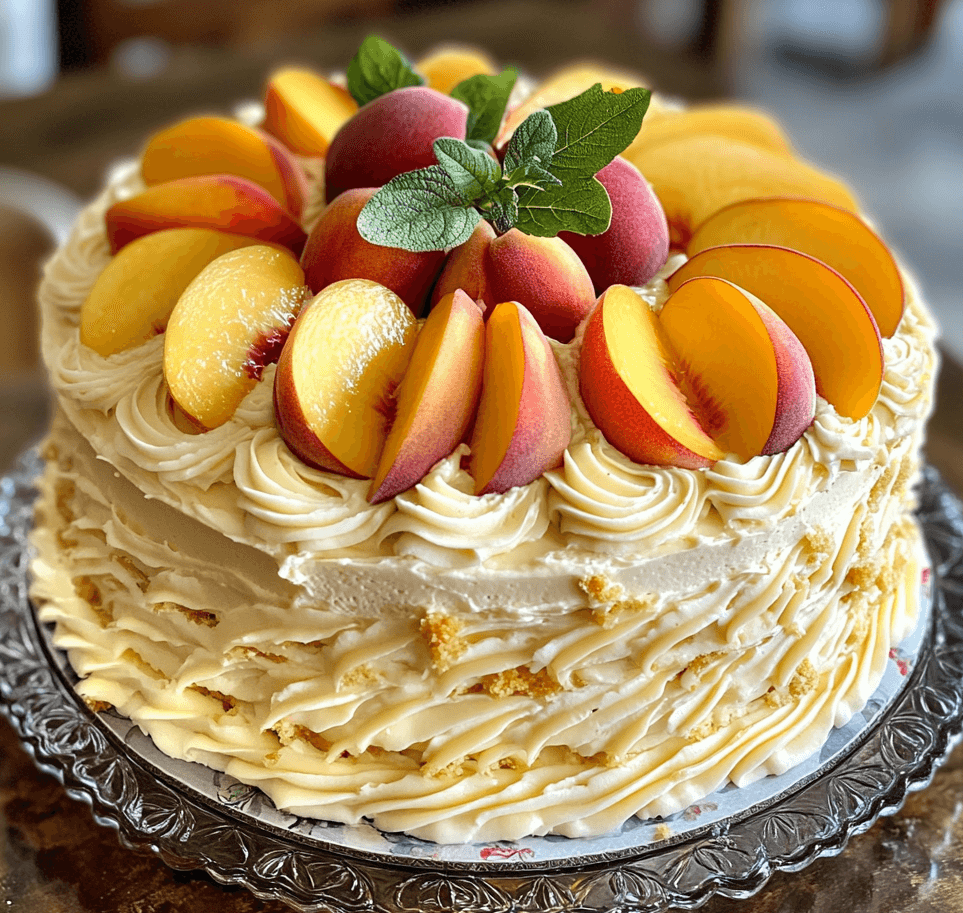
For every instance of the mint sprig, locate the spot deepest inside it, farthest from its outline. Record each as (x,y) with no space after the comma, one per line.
(545,185)
(379,68)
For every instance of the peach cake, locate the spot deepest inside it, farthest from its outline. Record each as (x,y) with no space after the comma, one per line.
(665,548)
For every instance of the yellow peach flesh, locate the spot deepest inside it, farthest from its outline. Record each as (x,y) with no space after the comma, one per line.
(133,297)
(825,312)
(727,364)
(447,66)
(304,110)
(839,238)
(230,308)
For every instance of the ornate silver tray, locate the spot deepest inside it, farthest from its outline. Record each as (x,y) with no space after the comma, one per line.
(729,845)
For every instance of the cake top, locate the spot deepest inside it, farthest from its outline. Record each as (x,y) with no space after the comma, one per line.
(467,235)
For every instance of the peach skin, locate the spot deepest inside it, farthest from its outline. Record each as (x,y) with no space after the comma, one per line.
(335,251)
(133,297)
(334,389)
(304,110)
(629,383)
(841,239)
(391,135)
(218,145)
(437,397)
(228,325)
(220,201)
(828,315)
(523,423)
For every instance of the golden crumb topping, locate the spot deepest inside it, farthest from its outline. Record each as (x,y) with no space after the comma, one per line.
(228,703)
(442,635)
(521,681)
(197,616)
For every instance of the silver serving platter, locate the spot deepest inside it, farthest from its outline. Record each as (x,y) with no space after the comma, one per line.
(729,845)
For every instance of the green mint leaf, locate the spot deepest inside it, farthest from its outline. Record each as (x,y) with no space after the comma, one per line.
(533,141)
(474,173)
(594,127)
(486,97)
(529,174)
(418,211)
(377,68)
(581,206)
(502,210)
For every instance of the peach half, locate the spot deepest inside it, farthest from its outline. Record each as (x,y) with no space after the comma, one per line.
(334,389)
(715,372)
(335,250)
(437,397)
(229,324)
(219,145)
(696,176)
(304,110)
(221,201)
(133,297)
(828,315)
(523,423)
(841,239)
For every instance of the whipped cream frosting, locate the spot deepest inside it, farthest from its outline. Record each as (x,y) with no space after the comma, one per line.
(612,639)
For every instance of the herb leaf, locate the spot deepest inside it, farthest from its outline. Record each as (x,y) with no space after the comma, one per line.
(474,173)
(533,140)
(581,206)
(377,68)
(486,97)
(594,127)
(502,209)
(419,211)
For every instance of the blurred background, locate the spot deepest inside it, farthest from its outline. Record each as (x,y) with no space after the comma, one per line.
(869,89)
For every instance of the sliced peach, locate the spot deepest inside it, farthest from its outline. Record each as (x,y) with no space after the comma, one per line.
(304,110)
(336,379)
(839,238)
(733,122)
(219,145)
(133,297)
(221,201)
(447,66)
(628,379)
(543,274)
(523,423)
(828,315)
(696,176)
(562,85)
(437,398)
(229,324)
(335,250)
(747,372)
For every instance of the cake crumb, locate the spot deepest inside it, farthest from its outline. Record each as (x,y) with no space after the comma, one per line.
(818,543)
(804,681)
(87,590)
(228,703)
(521,681)
(662,831)
(600,589)
(363,674)
(64,492)
(197,616)
(442,636)
(98,706)
(252,652)
(141,579)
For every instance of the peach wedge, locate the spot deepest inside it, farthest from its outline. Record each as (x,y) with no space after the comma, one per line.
(841,239)
(221,201)
(334,390)
(219,145)
(437,398)
(133,297)
(696,176)
(230,323)
(447,66)
(523,423)
(828,315)
(304,110)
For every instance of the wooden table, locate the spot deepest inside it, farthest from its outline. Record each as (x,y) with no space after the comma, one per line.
(53,857)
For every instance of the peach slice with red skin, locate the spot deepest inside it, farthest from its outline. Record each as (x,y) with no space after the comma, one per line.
(841,239)
(304,110)
(391,135)
(523,424)
(437,397)
(543,274)
(222,201)
(696,176)
(337,375)
(218,145)
(229,324)
(828,315)
(335,250)
(133,297)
